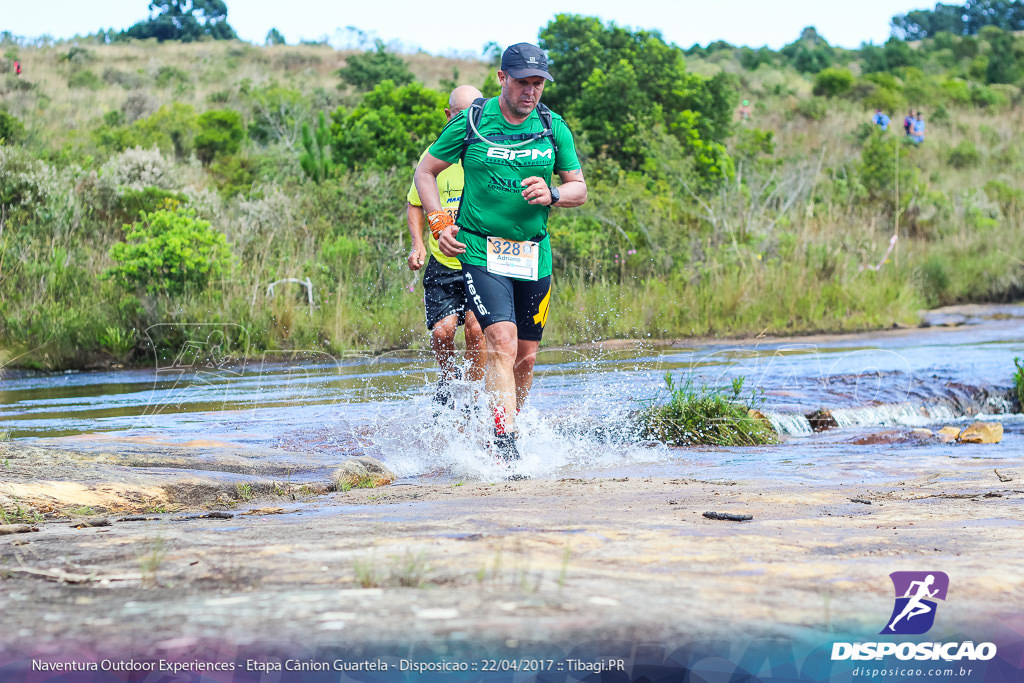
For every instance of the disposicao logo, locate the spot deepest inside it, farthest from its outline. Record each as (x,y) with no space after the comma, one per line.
(913,614)
(916,593)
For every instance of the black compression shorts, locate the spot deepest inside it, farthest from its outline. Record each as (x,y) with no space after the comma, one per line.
(444,293)
(497,298)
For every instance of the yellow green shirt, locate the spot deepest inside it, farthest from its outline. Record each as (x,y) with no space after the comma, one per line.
(449,183)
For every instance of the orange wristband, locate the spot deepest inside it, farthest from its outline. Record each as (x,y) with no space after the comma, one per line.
(438,220)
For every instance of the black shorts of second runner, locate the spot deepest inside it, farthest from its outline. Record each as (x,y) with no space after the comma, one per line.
(444,293)
(496,298)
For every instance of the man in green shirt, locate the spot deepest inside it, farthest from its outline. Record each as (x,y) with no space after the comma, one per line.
(500,235)
(444,293)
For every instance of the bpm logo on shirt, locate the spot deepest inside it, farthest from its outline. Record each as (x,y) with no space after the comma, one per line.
(916,595)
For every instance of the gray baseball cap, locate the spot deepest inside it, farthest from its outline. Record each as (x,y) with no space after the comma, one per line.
(523,60)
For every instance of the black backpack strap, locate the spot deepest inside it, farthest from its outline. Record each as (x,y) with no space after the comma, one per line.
(476,111)
(545,118)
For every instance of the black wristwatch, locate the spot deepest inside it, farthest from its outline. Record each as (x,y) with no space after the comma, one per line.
(555,196)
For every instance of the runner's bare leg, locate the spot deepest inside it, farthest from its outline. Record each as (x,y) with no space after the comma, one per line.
(476,348)
(499,378)
(442,343)
(525,357)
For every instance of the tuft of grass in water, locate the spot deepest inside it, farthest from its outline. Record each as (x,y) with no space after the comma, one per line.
(81,511)
(1018,383)
(348,482)
(701,415)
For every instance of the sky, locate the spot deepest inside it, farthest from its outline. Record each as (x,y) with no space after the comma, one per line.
(464,27)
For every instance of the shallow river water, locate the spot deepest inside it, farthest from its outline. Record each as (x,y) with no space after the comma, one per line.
(578,420)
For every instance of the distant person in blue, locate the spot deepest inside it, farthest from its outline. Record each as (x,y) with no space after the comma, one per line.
(917,132)
(880,119)
(908,123)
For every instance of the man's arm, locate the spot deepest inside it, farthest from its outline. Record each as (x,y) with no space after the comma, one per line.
(426,181)
(426,184)
(418,254)
(573,190)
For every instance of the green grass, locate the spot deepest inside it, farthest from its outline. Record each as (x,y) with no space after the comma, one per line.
(1018,383)
(20,515)
(244,491)
(700,415)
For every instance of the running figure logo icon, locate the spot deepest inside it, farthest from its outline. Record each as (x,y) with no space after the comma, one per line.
(916,592)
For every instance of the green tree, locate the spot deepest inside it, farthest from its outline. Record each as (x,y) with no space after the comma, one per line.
(274,37)
(810,53)
(391,127)
(220,134)
(1002,62)
(591,61)
(366,70)
(169,252)
(184,20)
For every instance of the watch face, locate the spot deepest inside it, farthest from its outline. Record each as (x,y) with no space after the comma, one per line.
(555,196)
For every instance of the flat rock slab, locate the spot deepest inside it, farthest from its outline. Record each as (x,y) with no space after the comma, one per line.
(548,562)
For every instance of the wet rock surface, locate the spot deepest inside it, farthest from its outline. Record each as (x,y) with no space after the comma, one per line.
(556,561)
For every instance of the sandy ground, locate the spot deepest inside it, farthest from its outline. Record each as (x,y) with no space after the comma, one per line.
(288,565)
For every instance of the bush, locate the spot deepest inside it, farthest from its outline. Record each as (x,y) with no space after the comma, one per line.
(390,128)
(885,99)
(964,155)
(167,76)
(833,82)
(220,134)
(170,252)
(11,129)
(367,69)
(139,169)
(957,90)
(812,109)
(84,78)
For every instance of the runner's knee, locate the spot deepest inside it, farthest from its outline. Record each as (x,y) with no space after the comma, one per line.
(444,329)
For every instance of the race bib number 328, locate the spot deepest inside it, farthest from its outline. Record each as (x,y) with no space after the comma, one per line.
(513,259)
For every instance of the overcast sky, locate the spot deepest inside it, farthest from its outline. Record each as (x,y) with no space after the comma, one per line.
(460,26)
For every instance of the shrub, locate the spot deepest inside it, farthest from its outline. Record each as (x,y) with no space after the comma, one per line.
(956,90)
(391,127)
(220,134)
(167,76)
(11,129)
(169,252)
(812,109)
(964,155)
(365,70)
(833,82)
(84,78)
(138,169)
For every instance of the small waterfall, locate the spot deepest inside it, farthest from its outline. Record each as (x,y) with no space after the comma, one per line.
(789,423)
(954,403)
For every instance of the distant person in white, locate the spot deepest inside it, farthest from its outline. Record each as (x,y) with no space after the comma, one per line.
(915,606)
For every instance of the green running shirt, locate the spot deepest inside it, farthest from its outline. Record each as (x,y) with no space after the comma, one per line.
(492,199)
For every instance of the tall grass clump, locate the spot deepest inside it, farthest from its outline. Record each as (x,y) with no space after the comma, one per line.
(1018,383)
(701,415)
